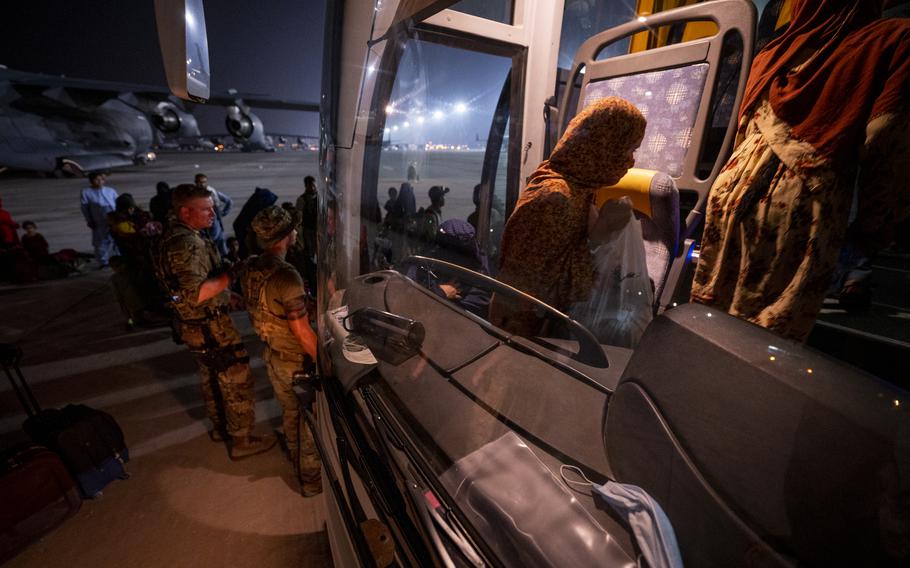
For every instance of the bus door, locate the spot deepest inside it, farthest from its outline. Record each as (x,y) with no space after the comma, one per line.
(452,129)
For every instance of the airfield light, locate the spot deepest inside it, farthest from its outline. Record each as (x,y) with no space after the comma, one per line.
(406,124)
(461,108)
(420,120)
(437,114)
(389,109)
(395,128)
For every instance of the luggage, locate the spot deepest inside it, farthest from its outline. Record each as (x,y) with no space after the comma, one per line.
(37,494)
(89,441)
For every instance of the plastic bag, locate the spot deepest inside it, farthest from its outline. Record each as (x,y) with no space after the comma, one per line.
(622,301)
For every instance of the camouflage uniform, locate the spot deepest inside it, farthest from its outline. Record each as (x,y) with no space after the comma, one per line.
(185,260)
(274,293)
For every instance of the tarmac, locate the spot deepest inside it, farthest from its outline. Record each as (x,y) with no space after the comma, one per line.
(186,503)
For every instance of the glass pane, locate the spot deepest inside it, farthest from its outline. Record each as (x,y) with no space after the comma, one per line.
(585,18)
(438,119)
(496,10)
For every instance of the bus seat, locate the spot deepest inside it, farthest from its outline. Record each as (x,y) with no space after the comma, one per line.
(761,451)
(655,197)
(681,89)
(674,86)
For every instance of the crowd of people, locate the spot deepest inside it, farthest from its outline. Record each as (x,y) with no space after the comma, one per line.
(174,264)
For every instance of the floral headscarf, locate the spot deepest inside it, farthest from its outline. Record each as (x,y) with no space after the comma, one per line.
(594,148)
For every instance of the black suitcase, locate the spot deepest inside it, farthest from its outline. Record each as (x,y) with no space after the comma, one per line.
(37,493)
(89,441)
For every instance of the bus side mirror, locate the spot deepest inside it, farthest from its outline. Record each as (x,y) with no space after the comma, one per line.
(184,47)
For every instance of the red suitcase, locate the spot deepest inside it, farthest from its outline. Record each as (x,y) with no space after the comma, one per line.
(37,494)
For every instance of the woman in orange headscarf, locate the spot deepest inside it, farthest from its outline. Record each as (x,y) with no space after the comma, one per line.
(824,100)
(544,249)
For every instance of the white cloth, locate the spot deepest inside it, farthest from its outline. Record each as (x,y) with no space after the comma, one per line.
(652,528)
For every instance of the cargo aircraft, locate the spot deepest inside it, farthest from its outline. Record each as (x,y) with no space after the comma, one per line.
(61,125)
(446,441)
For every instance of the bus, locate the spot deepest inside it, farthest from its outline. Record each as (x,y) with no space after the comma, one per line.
(447,441)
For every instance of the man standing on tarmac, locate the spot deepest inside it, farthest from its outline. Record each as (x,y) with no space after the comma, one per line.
(189,269)
(96,201)
(277,303)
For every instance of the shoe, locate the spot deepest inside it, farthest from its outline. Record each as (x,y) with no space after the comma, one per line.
(246,446)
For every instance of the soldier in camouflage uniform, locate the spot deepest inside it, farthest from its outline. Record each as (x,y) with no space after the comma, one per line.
(189,268)
(277,303)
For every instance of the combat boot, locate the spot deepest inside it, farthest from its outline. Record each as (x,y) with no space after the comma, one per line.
(246,446)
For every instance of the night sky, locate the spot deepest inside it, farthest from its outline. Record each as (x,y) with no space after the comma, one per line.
(272,48)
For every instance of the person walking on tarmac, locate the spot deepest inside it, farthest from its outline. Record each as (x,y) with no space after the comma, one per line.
(189,269)
(277,303)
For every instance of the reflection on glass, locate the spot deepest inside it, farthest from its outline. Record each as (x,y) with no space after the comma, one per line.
(496,10)
(583,19)
(434,140)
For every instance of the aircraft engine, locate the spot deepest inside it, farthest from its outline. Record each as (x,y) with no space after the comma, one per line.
(239,124)
(247,129)
(166,120)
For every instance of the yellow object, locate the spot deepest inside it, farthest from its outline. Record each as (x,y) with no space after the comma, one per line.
(783,17)
(659,37)
(636,185)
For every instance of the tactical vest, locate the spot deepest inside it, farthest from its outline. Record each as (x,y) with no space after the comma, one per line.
(271,327)
(184,308)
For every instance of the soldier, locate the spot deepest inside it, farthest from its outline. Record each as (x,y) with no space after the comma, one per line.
(277,303)
(189,269)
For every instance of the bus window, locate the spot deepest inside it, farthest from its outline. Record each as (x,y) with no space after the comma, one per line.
(444,141)
(585,18)
(496,10)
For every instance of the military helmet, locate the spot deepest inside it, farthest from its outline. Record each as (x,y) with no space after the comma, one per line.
(273,224)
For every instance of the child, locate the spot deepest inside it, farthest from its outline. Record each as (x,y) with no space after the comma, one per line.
(34,242)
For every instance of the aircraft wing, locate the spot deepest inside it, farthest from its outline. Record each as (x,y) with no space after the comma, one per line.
(113,88)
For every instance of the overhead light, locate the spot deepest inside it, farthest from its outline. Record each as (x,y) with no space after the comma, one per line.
(460,108)
(438,114)
(389,109)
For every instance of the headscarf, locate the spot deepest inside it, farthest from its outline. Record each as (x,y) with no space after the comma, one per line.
(124,203)
(860,70)
(406,205)
(544,248)
(456,243)
(593,151)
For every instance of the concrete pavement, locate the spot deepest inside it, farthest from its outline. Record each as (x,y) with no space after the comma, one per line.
(186,503)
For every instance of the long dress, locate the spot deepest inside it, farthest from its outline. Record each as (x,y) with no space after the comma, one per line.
(778,214)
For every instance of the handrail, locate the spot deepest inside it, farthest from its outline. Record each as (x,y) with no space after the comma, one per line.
(589,350)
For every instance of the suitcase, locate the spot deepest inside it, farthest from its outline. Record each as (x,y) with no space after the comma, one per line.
(89,441)
(37,493)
